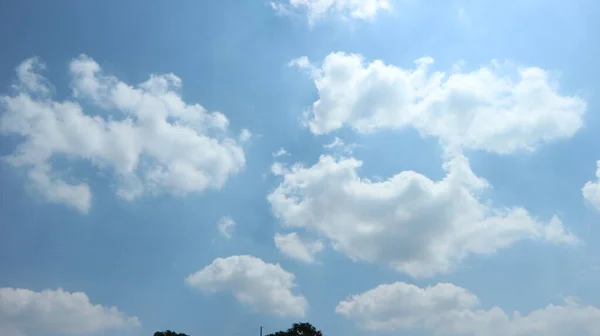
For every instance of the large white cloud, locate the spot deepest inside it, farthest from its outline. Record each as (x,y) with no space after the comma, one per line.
(317,9)
(413,224)
(296,248)
(262,286)
(446,309)
(498,108)
(56,312)
(591,190)
(150,139)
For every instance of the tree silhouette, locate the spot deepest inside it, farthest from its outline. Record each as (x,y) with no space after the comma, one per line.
(169,333)
(299,329)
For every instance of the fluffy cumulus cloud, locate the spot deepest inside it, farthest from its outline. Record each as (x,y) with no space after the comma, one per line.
(56,312)
(446,309)
(410,222)
(149,139)
(296,248)
(226,226)
(498,108)
(262,286)
(318,9)
(591,190)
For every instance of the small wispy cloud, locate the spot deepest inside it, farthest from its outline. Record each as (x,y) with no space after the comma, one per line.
(338,143)
(245,135)
(226,227)
(280,152)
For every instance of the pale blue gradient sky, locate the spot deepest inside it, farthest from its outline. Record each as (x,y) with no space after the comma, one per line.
(232,56)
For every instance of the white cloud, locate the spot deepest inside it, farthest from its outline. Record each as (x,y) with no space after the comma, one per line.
(446,309)
(245,135)
(591,190)
(55,190)
(280,152)
(493,108)
(226,227)
(302,63)
(338,143)
(292,246)
(409,222)
(318,9)
(146,135)
(262,286)
(29,78)
(57,312)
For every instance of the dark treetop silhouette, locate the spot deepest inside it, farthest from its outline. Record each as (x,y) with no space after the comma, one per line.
(168,333)
(299,329)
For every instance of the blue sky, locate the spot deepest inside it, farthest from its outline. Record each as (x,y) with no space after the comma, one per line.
(365,234)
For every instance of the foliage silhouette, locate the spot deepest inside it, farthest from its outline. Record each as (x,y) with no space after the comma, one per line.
(168,333)
(299,329)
